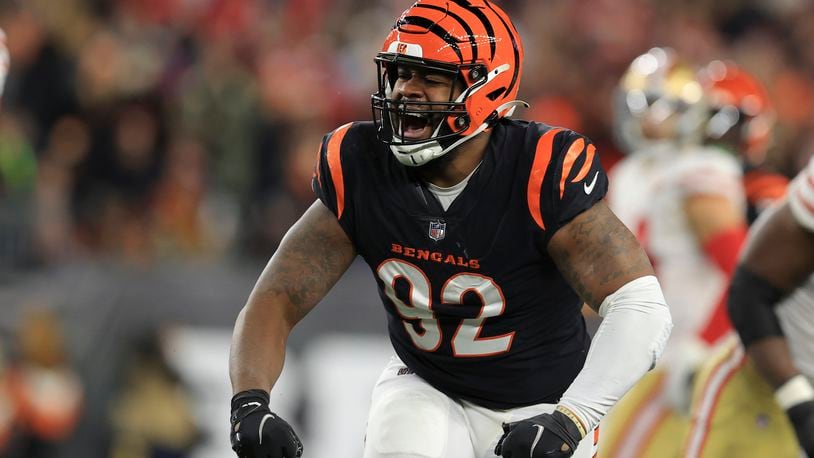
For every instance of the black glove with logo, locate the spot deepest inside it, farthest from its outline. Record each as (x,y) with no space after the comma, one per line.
(802,417)
(550,435)
(258,433)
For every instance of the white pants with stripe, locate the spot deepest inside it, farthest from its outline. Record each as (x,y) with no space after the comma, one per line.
(411,419)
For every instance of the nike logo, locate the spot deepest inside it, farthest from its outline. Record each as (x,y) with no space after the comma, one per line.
(589,188)
(536,439)
(263,422)
(250,404)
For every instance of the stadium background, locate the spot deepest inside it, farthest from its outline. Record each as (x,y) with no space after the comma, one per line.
(153,153)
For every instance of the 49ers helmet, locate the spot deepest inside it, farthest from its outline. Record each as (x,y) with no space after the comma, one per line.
(474,42)
(658,99)
(741,114)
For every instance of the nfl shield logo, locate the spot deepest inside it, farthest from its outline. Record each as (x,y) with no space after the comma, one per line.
(438,230)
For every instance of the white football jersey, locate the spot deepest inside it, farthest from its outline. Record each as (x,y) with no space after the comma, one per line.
(647,192)
(796,312)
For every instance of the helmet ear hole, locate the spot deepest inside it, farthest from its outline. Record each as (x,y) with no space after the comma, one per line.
(477,72)
(495,94)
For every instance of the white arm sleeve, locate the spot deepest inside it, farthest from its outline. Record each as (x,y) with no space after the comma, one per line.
(631,338)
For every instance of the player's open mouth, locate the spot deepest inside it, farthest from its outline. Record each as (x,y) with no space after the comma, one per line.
(416,127)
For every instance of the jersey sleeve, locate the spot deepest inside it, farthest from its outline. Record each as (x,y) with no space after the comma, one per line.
(570,177)
(330,179)
(801,196)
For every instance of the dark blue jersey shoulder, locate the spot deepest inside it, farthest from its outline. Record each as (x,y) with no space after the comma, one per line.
(565,176)
(337,170)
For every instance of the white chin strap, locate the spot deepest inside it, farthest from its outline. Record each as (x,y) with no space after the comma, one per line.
(420,154)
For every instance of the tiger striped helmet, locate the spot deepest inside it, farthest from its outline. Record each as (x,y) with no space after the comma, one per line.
(475,43)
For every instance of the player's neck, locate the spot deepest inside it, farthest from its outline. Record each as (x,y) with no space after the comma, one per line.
(455,166)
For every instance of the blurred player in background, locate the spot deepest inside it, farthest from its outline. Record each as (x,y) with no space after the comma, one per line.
(685,202)
(485,236)
(753,403)
(741,120)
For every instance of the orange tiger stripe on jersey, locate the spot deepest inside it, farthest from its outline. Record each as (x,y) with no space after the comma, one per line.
(574,152)
(542,157)
(335,165)
(317,173)
(586,167)
(568,163)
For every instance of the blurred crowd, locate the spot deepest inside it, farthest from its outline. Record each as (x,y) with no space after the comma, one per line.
(139,131)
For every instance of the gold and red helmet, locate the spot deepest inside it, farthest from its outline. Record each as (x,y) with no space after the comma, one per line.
(658,100)
(741,114)
(474,42)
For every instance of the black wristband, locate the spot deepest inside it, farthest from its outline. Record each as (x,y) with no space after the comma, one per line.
(263,395)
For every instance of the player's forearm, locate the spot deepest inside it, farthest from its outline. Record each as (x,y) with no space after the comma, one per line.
(772,360)
(258,347)
(627,344)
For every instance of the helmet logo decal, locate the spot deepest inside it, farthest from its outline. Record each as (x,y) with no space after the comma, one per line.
(407,49)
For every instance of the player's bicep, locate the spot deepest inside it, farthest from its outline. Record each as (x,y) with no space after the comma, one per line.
(597,254)
(780,249)
(311,258)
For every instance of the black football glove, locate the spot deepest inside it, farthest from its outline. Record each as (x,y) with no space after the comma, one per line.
(802,417)
(258,433)
(550,435)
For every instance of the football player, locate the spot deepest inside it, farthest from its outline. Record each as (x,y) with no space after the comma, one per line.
(741,120)
(485,236)
(759,401)
(730,397)
(686,204)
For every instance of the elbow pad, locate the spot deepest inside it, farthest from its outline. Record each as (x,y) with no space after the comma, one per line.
(751,306)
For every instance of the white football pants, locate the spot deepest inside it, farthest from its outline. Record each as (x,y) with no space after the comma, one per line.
(410,419)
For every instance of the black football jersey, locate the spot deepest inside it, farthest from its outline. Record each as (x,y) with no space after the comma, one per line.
(475,304)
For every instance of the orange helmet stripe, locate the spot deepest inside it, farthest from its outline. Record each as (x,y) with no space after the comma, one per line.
(515,46)
(335,165)
(542,157)
(431,26)
(469,33)
(490,31)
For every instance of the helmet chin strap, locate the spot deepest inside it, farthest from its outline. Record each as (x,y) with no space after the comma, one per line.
(415,155)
